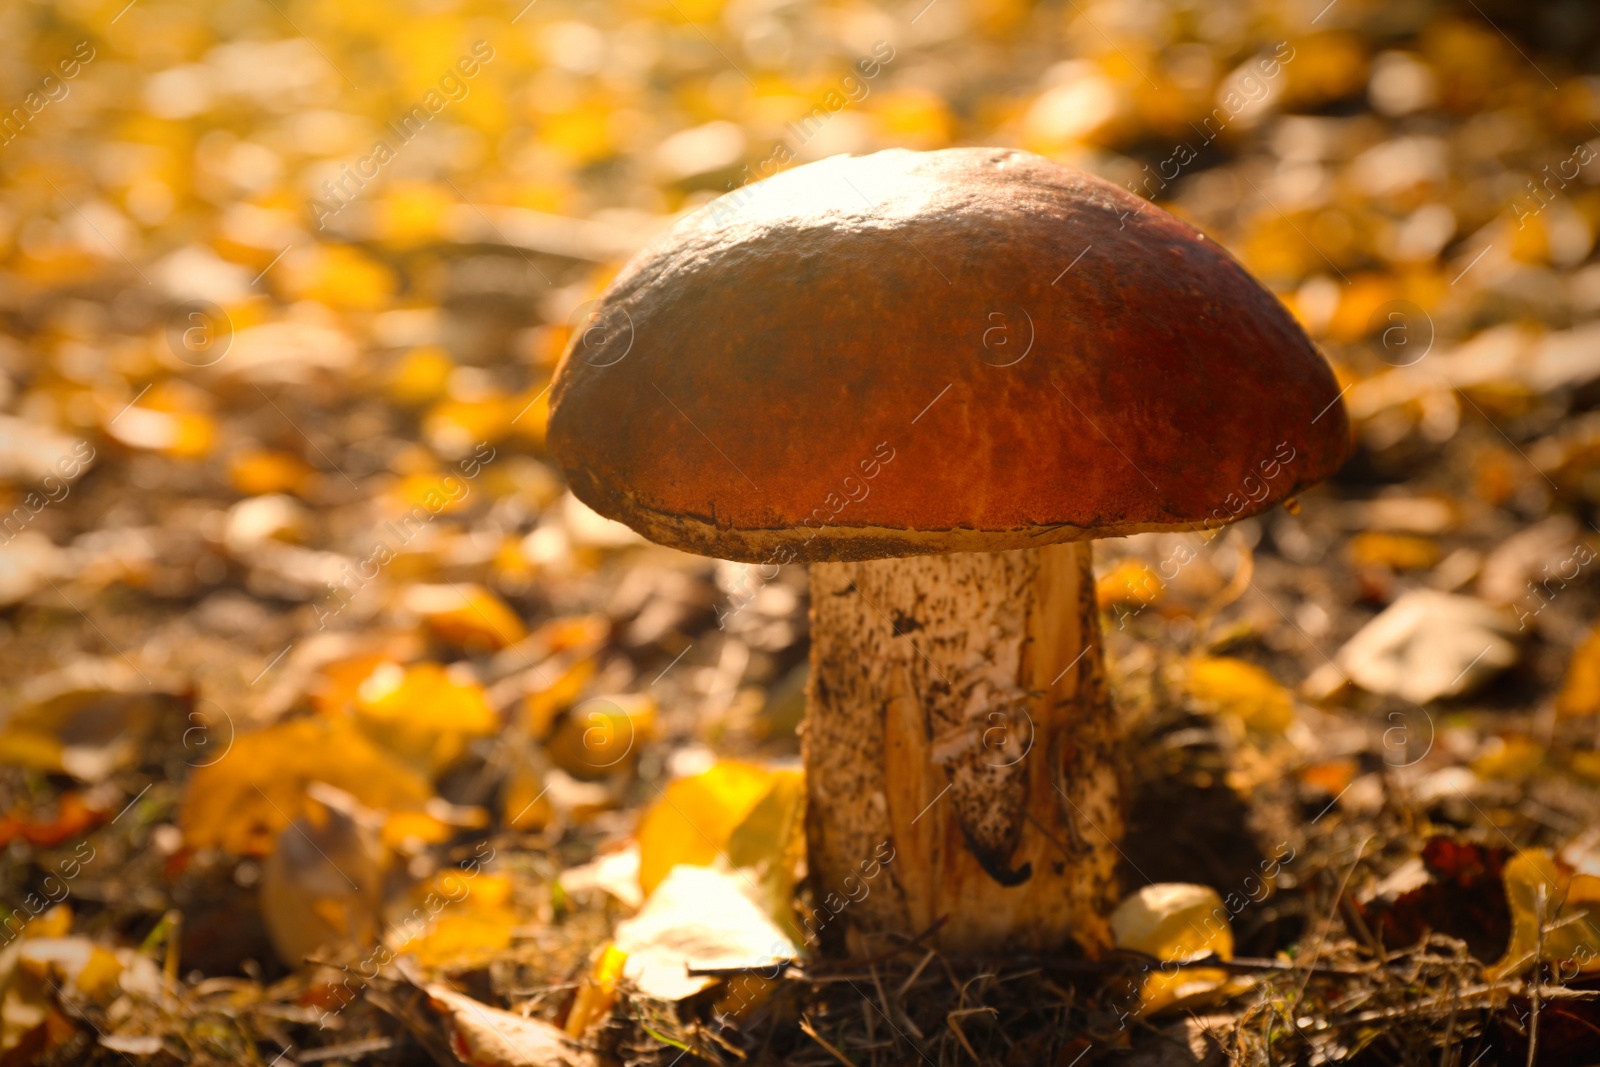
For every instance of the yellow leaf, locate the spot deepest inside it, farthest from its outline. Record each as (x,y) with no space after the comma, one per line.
(1130,583)
(1540,888)
(412,212)
(182,435)
(258,472)
(57,922)
(75,960)
(100,972)
(1401,552)
(533,417)
(599,736)
(454,426)
(693,818)
(525,802)
(1174,921)
(422,375)
(1508,758)
(1358,303)
(1586,764)
(1223,685)
(243,801)
(583,633)
(404,826)
(465,614)
(462,918)
(337,275)
(771,840)
(597,992)
(1332,777)
(1580,695)
(1327,66)
(582,136)
(33,749)
(914,118)
(335,688)
(540,708)
(435,493)
(424,713)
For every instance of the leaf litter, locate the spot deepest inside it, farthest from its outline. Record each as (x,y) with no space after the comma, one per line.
(337,731)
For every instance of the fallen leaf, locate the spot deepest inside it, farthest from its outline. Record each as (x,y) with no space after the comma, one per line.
(323,883)
(259,472)
(424,713)
(597,992)
(1510,758)
(465,919)
(1580,693)
(465,614)
(86,720)
(525,804)
(254,522)
(1428,645)
(1330,778)
(691,820)
(74,814)
(600,736)
(1226,686)
(616,873)
(541,706)
(1453,887)
(421,375)
(771,843)
(243,802)
(76,962)
(697,918)
(1131,583)
(1535,564)
(132,1044)
(1541,889)
(32,561)
(481,1036)
(1176,922)
(1401,552)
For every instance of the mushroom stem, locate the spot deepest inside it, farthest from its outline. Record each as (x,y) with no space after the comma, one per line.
(960,752)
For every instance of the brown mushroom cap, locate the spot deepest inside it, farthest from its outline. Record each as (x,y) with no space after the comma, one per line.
(966,350)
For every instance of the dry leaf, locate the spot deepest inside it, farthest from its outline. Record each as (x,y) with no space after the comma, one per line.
(323,883)
(1541,888)
(469,916)
(465,614)
(1580,694)
(1174,921)
(1227,686)
(700,918)
(481,1036)
(601,736)
(597,992)
(85,720)
(1130,584)
(771,843)
(1401,552)
(424,713)
(1428,645)
(525,803)
(244,801)
(616,873)
(692,819)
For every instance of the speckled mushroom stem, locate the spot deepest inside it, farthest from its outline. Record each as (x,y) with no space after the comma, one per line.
(961,753)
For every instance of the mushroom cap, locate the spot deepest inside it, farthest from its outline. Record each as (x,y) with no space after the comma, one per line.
(920,352)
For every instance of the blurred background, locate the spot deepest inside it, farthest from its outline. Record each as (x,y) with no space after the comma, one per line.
(300,632)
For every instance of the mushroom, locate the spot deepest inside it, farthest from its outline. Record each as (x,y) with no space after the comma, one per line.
(935,377)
